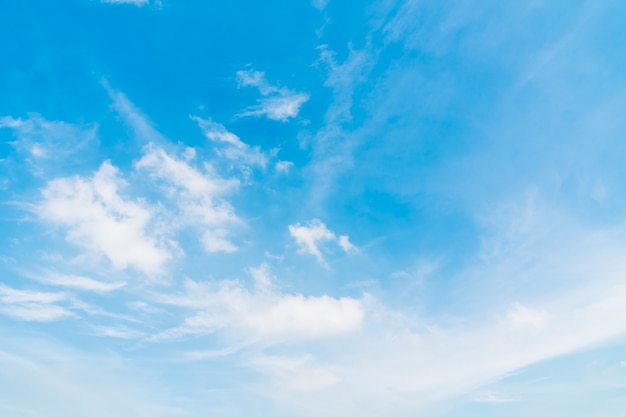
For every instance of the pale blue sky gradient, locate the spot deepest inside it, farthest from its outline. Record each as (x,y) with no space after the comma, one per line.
(298,208)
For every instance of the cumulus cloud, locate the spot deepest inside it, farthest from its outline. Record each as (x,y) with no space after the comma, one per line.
(278,103)
(230,145)
(310,236)
(264,314)
(100,220)
(196,194)
(32,305)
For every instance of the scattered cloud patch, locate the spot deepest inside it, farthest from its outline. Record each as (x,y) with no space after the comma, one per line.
(196,195)
(278,103)
(76,282)
(101,220)
(43,139)
(310,237)
(30,305)
(264,314)
(231,147)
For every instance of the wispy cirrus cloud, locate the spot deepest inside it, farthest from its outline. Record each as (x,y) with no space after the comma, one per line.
(279,103)
(32,305)
(229,145)
(45,141)
(75,282)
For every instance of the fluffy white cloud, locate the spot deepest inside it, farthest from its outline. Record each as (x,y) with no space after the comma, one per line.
(265,314)
(309,237)
(279,104)
(102,221)
(32,305)
(196,194)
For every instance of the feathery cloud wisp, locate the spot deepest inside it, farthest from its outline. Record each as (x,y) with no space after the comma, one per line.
(279,104)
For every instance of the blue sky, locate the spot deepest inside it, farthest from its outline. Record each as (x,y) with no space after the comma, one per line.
(307,208)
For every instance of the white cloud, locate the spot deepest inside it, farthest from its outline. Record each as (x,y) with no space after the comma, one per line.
(264,314)
(120,332)
(283,166)
(132,116)
(345,243)
(279,104)
(309,237)
(76,282)
(231,145)
(197,195)
(194,194)
(102,221)
(163,166)
(523,316)
(215,241)
(263,278)
(43,139)
(32,305)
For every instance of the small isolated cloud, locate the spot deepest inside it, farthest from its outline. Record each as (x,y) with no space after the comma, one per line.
(264,314)
(195,194)
(32,305)
(279,104)
(521,315)
(309,238)
(283,167)
(229,144)
(100,220)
